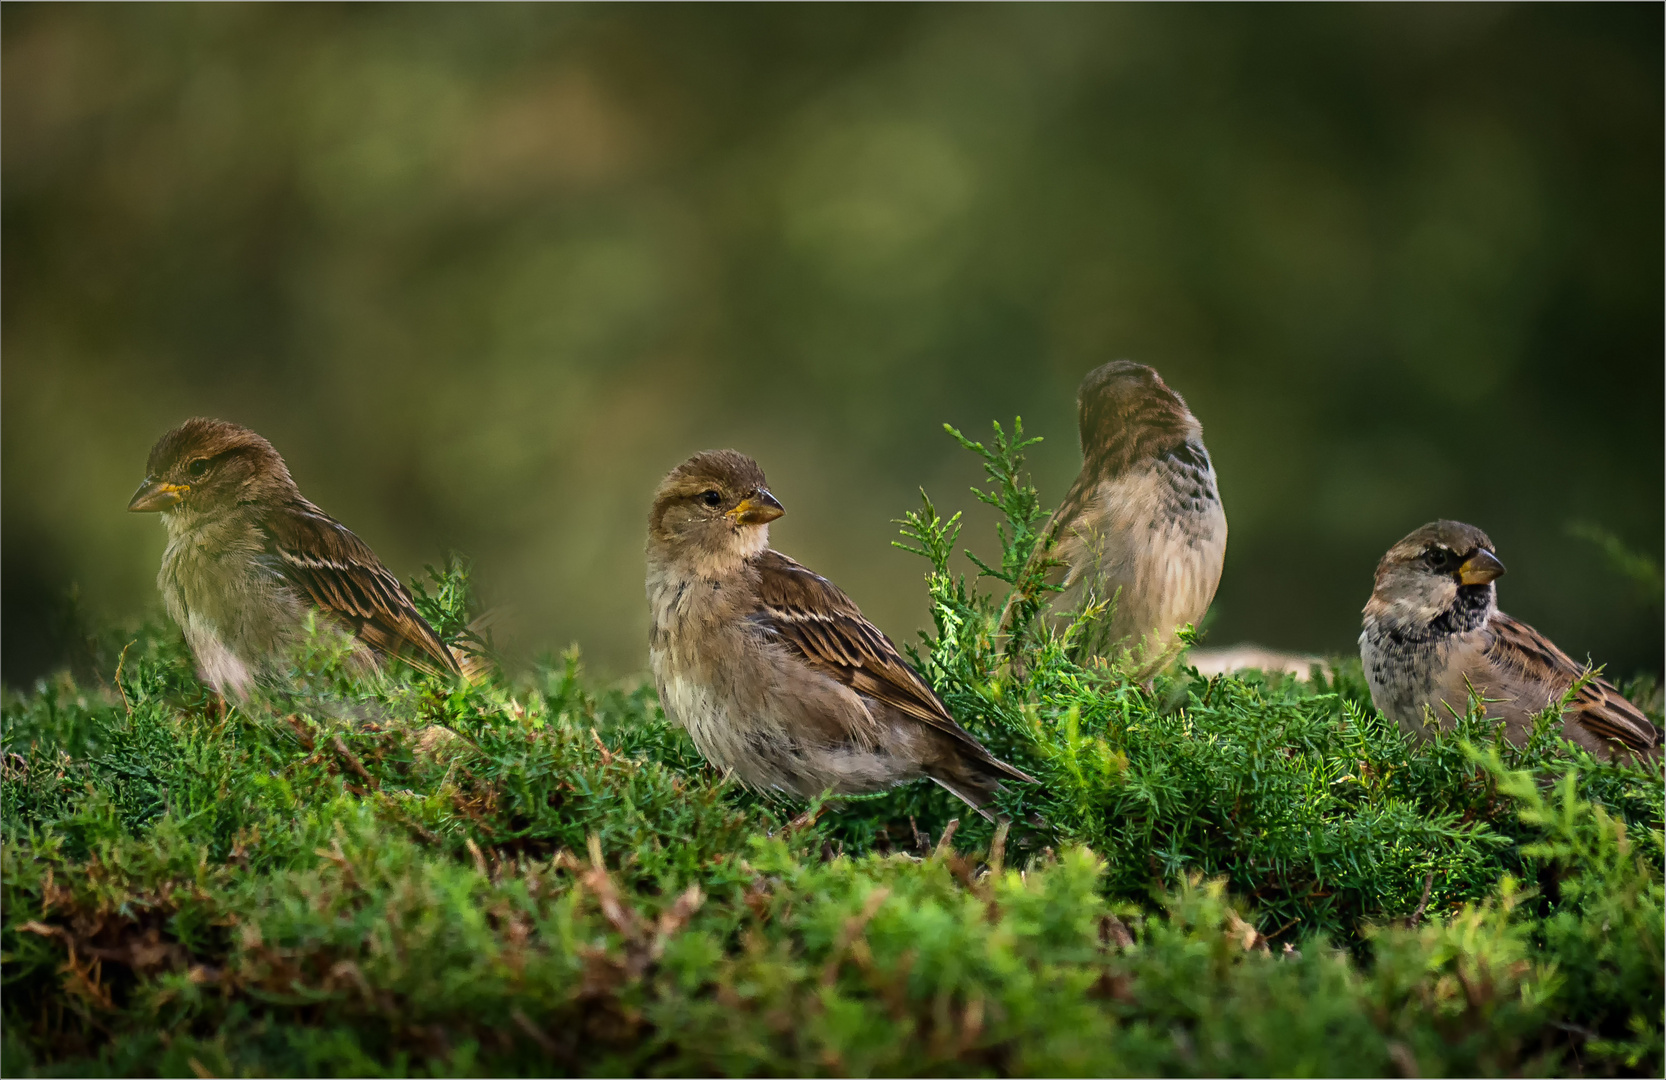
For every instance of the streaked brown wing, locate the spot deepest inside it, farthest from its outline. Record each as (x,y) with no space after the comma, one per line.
(812,615)
(1598,705)
(1185,471)
(345,578)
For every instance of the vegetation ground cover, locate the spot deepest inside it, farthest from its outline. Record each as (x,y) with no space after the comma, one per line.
(1232,875)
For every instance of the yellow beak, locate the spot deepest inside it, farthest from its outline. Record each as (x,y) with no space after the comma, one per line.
(1480,568)
(757,508)
(154,495)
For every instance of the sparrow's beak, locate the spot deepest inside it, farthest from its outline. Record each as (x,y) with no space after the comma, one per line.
(155,495)
(1480,568)
(757,508)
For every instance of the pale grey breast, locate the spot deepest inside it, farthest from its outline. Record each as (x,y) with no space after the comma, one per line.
(238,613)
(1155,538)
(1412,666)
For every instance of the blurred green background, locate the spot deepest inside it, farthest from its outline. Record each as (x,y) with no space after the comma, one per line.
(484,273)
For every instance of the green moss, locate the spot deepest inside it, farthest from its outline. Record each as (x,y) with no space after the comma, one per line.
(1244,875)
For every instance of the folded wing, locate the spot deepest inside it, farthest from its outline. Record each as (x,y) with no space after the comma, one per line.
(815,618)
(1598,706)
(345,578)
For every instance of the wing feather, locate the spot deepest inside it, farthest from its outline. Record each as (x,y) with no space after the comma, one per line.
(1598,706)
(816,619)
(344,577)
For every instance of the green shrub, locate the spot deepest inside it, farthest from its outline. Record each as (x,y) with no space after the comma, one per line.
(1238,875)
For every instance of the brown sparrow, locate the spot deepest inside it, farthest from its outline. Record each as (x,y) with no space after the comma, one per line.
(1143,526)
(1433,635)
(248,558)
(771,669)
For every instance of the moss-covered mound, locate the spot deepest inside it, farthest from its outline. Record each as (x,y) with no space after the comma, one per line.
(1237,875)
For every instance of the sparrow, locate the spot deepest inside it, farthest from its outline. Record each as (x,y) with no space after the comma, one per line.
(1142,527)
(772,669)
(1433,634)
(248,558)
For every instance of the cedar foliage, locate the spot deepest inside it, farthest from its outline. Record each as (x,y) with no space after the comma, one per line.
(1238,875)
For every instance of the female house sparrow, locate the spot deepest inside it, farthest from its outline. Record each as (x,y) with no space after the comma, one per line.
(773,671)
(248,558)
(1143,523)
(1433,632)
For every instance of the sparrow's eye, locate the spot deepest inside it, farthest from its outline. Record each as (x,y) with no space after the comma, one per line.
(198,467)
(711,498)
(1440,559)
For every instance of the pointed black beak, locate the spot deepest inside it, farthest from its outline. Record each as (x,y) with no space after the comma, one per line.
(1480,568)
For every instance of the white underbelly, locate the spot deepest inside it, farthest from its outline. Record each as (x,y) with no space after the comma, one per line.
(217,664)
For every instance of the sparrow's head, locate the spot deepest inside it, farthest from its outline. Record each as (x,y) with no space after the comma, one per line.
(1127,412)
(1443,566)
(204,465)
(714,508)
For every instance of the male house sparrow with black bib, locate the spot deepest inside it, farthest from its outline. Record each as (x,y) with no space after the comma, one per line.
(1433,632)
(1143,525)
(771,669)
(248,558)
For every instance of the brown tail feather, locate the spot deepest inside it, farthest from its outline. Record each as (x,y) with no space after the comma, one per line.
(474,652)
(975,781)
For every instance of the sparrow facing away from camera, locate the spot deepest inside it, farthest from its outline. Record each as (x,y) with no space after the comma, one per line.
(1433,631)
(771,669)
(1143,525)
(248,558)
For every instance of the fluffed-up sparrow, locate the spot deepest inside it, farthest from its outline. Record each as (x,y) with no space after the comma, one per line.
(248,558)
(772,669)
(1143,527)
(1433,636)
